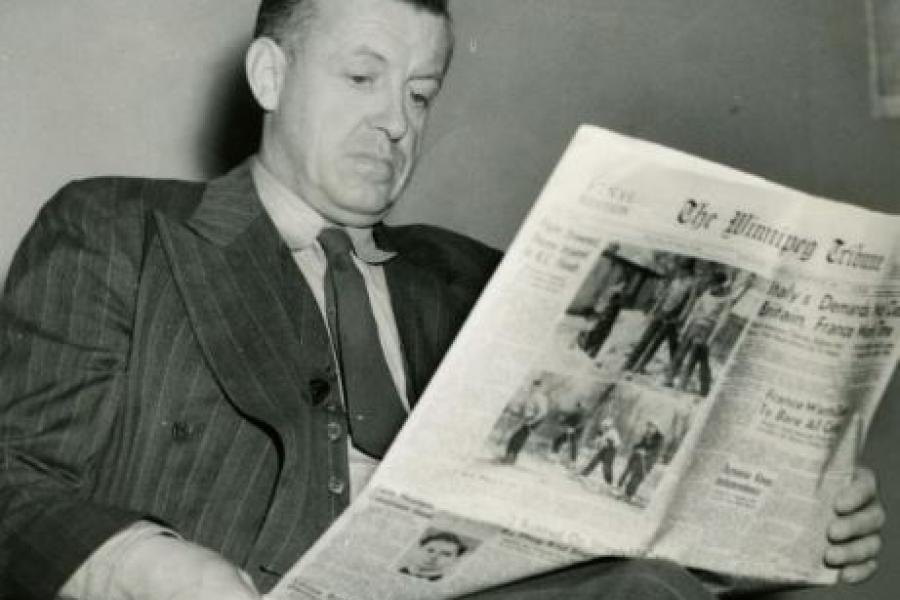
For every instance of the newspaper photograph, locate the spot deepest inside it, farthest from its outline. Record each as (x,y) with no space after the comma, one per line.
(674,360)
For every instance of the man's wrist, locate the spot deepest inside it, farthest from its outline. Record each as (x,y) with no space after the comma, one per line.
(97,576)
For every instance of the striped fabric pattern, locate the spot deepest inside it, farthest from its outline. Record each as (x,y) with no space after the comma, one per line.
(161,357)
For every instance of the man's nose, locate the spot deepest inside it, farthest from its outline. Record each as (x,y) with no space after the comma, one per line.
(391,117)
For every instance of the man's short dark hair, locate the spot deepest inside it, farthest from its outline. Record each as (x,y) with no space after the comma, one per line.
(445,536)
(282,19)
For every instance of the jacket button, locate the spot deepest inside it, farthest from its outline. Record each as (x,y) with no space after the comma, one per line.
(183,432)
(319,390)
(335,431)
(336,485)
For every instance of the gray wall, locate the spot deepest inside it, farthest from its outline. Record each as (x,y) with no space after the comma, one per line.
(777,88)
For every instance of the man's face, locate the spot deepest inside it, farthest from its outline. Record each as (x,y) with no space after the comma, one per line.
(355,99)
(437,555)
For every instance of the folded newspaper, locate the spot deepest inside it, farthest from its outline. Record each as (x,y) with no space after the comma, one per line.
(674,360)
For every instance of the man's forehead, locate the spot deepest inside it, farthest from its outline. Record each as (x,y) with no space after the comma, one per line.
(379,28)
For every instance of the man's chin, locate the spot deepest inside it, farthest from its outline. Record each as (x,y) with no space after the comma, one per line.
(361,214)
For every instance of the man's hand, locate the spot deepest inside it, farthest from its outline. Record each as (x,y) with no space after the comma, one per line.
(167,568)
(855,532)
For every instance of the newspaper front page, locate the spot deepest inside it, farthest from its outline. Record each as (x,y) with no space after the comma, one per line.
(674,360)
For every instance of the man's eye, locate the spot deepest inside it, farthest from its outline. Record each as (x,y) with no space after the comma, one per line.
(360,79)
(421,100)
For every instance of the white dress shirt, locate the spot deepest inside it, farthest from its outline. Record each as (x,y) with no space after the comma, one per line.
(299,225)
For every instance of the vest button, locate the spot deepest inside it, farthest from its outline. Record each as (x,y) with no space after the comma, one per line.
(336,485)
(335,431)
(183,432)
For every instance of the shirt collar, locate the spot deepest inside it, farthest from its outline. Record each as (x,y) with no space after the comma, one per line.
(299,224)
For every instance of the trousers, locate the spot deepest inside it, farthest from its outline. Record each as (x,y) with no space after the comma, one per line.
(605,579)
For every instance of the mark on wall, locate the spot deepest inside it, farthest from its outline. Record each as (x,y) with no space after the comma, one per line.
(884,56)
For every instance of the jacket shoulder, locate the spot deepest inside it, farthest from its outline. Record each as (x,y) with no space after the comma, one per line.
(99,199)
(102,216)
(453,256)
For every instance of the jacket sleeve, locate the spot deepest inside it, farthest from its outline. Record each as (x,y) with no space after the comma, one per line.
(65,327)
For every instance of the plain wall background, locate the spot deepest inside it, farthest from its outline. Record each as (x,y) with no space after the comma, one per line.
(777,88)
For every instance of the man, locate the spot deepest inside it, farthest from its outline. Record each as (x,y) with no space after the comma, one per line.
(607,442)
(171,416)
(571,424)
(705,316)
(604,315)
(643,457)
(435,555)
(165,358)
(530,412)
(665,317)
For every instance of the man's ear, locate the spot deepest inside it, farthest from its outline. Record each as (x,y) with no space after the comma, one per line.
(266,64)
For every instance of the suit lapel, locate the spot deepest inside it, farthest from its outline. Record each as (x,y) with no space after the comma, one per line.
(243,296)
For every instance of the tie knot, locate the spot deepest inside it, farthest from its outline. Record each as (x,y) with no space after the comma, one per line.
(335,242)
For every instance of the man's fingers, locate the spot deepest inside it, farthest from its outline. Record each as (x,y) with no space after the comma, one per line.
(859,573)
(855,531)
(861,491)
(862,523)
(853,553)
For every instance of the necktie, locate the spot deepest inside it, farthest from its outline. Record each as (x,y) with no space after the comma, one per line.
(373,405)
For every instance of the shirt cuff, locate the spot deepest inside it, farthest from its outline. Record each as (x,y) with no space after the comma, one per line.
(97,576)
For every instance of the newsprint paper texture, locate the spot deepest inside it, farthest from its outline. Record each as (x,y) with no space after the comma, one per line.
(674,359)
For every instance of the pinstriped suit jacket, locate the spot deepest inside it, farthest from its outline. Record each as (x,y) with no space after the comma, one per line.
(161,357)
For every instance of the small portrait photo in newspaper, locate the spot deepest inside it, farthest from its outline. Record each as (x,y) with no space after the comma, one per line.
(436,553)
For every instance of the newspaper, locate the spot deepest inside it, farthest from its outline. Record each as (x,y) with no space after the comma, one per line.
(674,360)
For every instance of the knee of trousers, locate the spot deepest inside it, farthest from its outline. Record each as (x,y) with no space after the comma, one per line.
(653,579)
